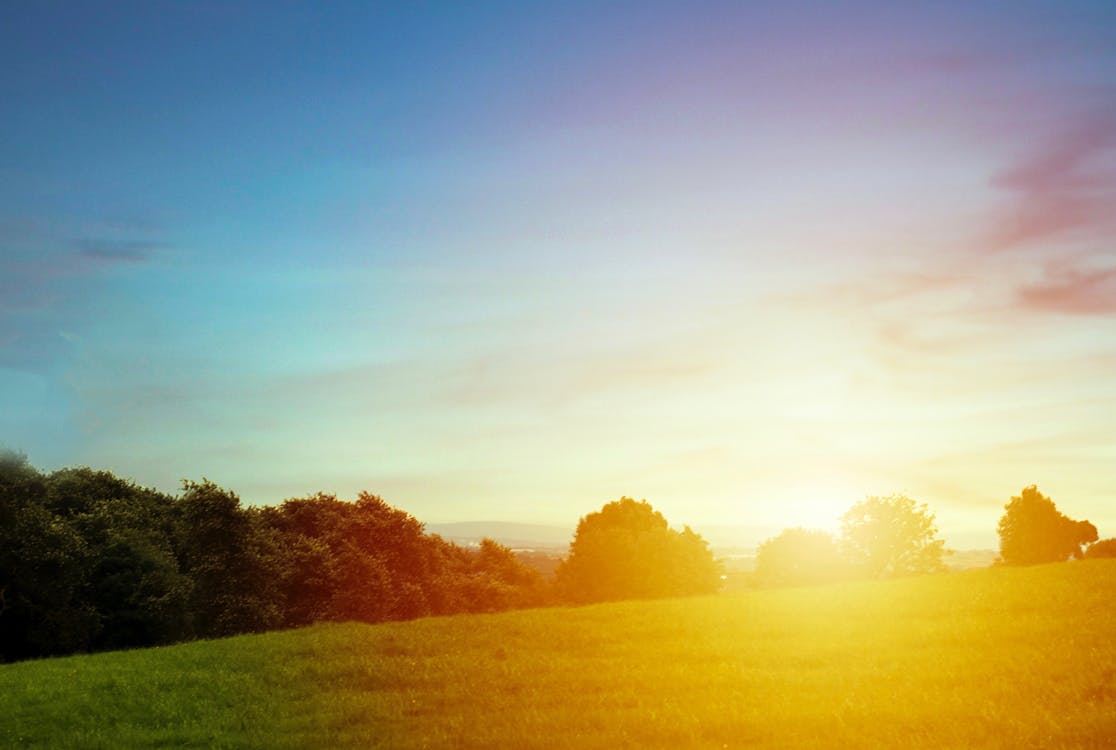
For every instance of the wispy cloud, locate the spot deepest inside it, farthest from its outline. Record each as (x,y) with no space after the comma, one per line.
(117,251)
(1073,290)
(1059,189)
(40,264)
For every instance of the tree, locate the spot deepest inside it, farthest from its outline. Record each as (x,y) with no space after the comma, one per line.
(799,557)
(77,490)
(219,548)
(1032,531)
(44,566)
(367,561)
(891,536)
(496,580)
(1103,548)
(90,561)
(627,551)
(140,595)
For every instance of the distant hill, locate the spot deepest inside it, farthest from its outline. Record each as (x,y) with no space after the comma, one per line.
(735,543)
(514,535)
(723,539)
(964,559)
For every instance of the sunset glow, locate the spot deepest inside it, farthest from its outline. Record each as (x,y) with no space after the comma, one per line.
(752,262)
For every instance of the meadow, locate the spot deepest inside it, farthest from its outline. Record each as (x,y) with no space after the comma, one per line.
(994,658)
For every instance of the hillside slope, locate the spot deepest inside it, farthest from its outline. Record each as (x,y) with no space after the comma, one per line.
(988,658)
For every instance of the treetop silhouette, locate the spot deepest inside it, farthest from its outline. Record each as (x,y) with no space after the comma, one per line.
(626,550)
(1033,531)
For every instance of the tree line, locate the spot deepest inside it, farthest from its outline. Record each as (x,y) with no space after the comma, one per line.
(90,561)
(895,536)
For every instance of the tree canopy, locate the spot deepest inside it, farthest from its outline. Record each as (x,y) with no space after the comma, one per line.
(1101,549)
(89,561)
(626,550)
(799,557)
(1032,531)
(891,536)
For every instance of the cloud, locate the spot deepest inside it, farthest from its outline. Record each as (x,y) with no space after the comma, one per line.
(117,251)
(1060,188)
(50,281)
(30,280)
(1072,290)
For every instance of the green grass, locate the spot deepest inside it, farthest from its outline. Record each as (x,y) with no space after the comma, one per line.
(991,658)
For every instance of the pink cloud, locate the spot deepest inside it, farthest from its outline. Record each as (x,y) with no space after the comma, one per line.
(1074,291)
(1058,189)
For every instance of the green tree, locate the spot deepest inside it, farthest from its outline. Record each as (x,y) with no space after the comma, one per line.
(496,580)
(76,490)
(891,536)
(368,561)
(627,551)
(799,557)
(44,570)
(1032,531)
(140,595)
(218,547)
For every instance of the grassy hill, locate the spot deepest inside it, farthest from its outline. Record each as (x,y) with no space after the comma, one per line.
(987,658)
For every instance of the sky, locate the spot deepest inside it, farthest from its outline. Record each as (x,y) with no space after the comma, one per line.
(752,262)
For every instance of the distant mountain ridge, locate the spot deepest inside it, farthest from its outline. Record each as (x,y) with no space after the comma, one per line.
(724,538)
(514,535)
(727,540)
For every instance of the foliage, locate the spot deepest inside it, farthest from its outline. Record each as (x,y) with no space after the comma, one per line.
(995,658)
(77,490)
(891,536)
(233,590)
(499,580)
(325,567)
(135,585)
(89,561)
(799,557)
(43,564)
(627,551)
(1102,549)
(1032,530)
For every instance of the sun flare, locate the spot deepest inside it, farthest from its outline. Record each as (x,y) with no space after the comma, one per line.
(819,503)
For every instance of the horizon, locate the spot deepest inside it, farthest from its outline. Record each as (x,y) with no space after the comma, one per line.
(720,536)
(750,264)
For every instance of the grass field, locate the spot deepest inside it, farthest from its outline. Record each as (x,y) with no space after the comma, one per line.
(1008,658)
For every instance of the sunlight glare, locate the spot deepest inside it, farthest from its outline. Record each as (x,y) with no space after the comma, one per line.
(818,503)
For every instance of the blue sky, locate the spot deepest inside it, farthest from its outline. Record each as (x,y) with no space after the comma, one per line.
(515,260)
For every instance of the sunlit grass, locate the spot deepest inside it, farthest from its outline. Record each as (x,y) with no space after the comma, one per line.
(992,658)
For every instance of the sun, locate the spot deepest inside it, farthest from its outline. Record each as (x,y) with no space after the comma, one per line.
(817,503)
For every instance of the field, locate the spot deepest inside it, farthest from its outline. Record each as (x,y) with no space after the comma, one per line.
(1006,658)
